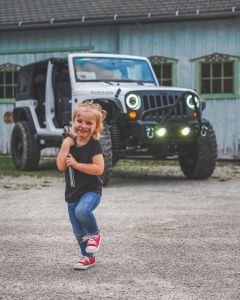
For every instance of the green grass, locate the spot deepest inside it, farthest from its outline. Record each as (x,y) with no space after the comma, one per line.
(47,167)
(146,162)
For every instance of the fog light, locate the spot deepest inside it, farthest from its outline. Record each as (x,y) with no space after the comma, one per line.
(185,131)
(161,132)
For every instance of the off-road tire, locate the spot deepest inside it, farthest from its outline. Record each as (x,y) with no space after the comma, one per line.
(116,140)
(107,151)
(199,161)
(25,148)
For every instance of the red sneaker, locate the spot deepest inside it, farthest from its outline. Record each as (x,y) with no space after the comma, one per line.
(85,263)
(93,243)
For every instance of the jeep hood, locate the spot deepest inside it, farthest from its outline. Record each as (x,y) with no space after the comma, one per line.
(110,89)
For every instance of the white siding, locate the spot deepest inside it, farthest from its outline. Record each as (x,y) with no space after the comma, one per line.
(5,129)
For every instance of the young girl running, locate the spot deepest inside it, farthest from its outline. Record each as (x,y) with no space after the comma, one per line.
(85,156)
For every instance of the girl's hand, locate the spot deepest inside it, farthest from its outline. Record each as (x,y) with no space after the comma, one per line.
(71,161)
(63,153)
(68,141)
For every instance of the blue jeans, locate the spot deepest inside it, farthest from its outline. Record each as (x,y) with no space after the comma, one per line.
(82,218)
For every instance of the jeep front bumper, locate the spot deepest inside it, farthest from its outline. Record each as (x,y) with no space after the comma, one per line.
(151,133)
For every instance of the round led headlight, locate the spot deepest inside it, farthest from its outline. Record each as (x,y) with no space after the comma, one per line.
(133,101)
(190,101)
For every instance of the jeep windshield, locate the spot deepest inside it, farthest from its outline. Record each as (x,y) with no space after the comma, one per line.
(112,69)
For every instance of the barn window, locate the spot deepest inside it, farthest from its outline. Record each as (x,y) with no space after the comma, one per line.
(217,75)
(164,69)
(8,80)
(217,78)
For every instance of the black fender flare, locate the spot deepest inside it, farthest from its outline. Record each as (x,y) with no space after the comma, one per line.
(113,106)
(23,114)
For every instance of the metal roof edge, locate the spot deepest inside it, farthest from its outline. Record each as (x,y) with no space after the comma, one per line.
(84,21)
(47,50)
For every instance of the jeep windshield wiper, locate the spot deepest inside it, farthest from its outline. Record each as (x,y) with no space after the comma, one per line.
(120,80)
(108,82)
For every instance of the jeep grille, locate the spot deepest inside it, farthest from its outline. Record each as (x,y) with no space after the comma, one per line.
(163,101)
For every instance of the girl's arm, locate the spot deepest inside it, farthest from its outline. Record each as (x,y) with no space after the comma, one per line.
(62,154)
(95,168)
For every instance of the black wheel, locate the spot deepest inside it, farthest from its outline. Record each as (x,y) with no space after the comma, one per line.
(107,150)
(24,148)
(199,160)
(116,140)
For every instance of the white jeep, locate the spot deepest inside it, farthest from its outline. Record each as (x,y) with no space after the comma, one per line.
(143,118)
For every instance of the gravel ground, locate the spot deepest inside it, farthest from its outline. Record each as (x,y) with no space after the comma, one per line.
(163,237)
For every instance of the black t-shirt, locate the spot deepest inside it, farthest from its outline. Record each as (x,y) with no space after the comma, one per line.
(83,182)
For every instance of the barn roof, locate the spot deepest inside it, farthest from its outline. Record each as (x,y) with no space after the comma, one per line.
(29,14)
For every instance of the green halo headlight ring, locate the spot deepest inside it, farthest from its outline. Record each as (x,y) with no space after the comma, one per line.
(133,101)
(189,101)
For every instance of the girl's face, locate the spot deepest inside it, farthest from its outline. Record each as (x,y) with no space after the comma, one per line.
(85,124)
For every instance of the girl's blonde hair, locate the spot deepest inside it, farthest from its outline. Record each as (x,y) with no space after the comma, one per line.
(97,109)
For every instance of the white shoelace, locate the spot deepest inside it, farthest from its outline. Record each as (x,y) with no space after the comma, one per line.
(84,259)
(90,238)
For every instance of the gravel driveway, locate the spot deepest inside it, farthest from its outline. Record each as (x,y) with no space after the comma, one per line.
(164,237)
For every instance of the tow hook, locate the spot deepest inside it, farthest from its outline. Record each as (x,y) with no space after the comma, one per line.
(204,130)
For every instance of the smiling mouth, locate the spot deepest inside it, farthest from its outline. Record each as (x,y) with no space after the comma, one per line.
(82,131)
